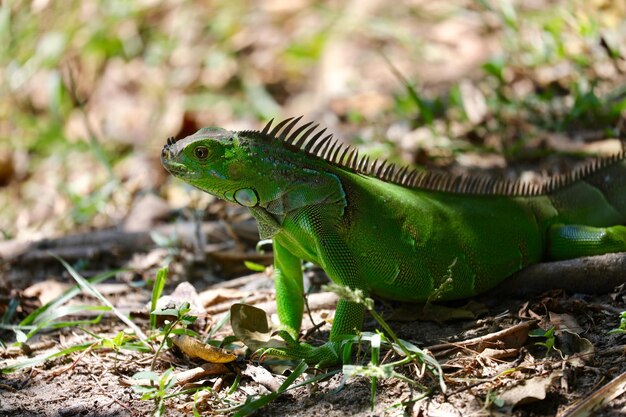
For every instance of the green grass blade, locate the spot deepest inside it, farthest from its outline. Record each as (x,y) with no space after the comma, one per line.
(234,386)
(93,291)
(50,316)
(220,323)
(157,290)
(376,340)
(10,311)
(315,378)
(67,310)
(64,297)
(425,109)
(44,357)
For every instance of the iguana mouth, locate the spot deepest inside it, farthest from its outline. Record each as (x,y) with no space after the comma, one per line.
(177,169)
(173,167)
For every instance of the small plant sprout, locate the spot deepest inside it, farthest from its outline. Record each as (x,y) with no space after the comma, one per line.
(549,336)
(156,388)
(180,318)
(374,369)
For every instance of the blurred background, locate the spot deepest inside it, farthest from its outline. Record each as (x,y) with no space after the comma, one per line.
(91,89)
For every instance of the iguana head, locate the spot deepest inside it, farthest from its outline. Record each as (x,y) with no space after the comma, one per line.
(249,168)
(219,162)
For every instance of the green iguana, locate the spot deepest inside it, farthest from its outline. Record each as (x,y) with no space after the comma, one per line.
(393,232)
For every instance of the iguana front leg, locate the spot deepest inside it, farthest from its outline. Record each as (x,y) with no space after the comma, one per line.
(575,241)
(289,289)
(336,259)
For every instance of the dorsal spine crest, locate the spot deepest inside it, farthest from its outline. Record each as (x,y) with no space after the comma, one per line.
(347,157)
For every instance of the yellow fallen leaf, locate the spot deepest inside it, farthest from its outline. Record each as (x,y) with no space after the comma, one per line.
(196,349)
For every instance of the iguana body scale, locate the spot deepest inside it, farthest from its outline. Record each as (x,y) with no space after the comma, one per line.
(402,235)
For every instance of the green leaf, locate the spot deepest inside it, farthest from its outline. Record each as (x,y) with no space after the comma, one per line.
(149,375)
(47,319)
(253,266)
(20,336)
(622,326)
(547,334)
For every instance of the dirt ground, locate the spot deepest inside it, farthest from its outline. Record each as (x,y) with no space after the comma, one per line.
(97,383)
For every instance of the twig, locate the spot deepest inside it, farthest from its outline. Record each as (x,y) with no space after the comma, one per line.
(73,364)
(313,329)
(489,338)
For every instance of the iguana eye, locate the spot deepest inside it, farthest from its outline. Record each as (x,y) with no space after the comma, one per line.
(201,152)
(246,197)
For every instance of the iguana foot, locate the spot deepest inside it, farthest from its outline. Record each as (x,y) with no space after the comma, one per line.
(324,356)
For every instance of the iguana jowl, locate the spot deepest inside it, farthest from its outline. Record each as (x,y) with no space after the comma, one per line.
(394,232)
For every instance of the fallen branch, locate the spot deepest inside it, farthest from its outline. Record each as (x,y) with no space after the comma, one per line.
(590,275)
(87,245)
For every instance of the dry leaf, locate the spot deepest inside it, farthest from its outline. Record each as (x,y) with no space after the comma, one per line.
(263,377)
(568,340)
(217,295)
(530,390)
(194,348)
(579,349)
(254,327)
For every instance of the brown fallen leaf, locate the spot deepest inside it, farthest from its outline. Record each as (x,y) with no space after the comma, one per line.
(510,338)
(215,296)
(499,353)
(531,390)
(232,261)
(263,376)
(7,168)
(46,290)
(194,348)
(184,377)
(578,349)
(563,322)
(568,340)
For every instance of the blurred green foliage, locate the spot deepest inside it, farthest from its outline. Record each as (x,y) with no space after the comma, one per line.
(562,52)
(87,85)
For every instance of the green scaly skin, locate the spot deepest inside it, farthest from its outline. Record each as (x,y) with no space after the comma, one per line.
(389,239)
